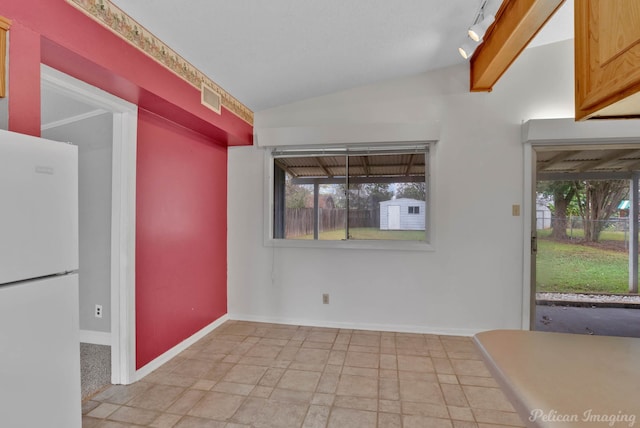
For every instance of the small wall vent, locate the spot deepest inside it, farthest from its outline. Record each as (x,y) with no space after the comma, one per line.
(210,98)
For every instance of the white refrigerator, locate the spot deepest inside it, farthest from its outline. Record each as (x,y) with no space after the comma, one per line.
(39,328)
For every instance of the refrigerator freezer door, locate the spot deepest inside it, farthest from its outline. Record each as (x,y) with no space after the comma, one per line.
(38,207)
(40,354)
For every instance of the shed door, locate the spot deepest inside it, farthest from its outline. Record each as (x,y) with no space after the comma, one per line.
(393,216)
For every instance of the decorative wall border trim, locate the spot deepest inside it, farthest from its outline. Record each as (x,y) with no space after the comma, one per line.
(116,20)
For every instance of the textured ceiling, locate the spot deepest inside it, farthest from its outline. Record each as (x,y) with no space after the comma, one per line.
(269,53)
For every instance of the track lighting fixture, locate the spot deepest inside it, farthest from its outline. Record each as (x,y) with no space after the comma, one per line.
(467,49)
(477,31)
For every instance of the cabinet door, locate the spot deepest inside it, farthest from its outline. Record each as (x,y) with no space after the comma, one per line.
(607,58)
(4,27)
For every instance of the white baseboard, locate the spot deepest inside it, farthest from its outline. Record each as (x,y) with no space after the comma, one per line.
(162,359)
(399,328)
(95,337)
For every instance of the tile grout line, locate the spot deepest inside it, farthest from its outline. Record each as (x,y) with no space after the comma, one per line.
(353,355)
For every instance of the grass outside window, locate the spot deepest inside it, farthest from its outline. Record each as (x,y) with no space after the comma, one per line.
(371,233)
(576,268)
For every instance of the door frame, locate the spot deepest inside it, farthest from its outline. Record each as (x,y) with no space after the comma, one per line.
(528,255)
(123,214)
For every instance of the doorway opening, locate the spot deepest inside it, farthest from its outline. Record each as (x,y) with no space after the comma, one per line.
(104,128)
(585,264)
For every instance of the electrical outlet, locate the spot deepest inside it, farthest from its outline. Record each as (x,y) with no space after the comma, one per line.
(515,210)
(98,311)
(325,299)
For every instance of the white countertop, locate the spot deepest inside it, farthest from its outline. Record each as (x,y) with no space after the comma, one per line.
(566,380)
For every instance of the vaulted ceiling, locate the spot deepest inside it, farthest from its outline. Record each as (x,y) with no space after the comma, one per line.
(269,53)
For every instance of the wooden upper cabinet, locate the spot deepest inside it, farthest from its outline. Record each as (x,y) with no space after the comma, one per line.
(607,58)
(4,27)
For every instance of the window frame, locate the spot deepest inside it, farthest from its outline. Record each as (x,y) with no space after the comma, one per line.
(269,217)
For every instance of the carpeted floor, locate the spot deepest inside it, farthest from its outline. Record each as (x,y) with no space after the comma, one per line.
(95,366)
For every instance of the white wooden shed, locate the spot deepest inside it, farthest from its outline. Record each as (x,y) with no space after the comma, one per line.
(543,215)
(402,214)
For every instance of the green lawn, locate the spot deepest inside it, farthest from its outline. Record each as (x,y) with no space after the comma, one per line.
(369,233)
(605,235)
(563,267)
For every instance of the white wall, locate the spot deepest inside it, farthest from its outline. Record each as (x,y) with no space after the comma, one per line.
(94,138)
(472,281)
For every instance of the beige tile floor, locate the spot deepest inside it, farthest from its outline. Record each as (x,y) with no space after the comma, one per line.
(247,374)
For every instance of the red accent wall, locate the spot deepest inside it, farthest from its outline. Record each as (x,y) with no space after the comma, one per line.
(24,81)
(75,44)
(181,171)
(181,215)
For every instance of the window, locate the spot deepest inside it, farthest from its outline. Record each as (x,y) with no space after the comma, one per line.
(351,194)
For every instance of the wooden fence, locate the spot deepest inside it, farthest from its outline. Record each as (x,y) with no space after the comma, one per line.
(299,221)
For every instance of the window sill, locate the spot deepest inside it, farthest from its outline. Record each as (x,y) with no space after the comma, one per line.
(352,245)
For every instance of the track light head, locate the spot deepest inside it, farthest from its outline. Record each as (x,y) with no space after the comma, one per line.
(466,50)
(478,30)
